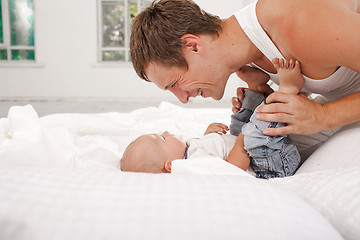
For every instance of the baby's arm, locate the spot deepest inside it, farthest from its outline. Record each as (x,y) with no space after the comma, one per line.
(218,128)
(238,155)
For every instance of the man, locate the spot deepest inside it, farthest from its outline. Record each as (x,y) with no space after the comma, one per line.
(183,49)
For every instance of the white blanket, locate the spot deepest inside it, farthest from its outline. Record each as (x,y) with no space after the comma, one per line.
(59,176)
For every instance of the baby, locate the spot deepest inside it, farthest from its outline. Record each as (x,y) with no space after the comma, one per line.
(154,153)
(269,156)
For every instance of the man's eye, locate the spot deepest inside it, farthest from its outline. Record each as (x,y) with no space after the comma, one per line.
(174,84)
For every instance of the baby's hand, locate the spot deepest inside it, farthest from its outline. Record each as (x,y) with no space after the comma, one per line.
(218,128)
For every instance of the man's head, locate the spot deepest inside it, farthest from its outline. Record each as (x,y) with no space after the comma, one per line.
(172,37)
(152,153)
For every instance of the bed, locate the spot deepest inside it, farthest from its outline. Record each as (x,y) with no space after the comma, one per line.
(60,179)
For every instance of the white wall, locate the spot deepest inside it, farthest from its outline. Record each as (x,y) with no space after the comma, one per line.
(66,52)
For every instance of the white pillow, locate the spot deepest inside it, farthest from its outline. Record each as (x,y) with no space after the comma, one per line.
(342,150)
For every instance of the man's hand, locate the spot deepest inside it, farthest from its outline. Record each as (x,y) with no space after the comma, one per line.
(236,105)
(218,128)
(302,115)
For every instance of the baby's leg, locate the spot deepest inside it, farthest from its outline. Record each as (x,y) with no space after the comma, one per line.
(238,156)
(291,79)
(253,77)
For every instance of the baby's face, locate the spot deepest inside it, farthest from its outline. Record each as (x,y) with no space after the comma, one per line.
(172,146)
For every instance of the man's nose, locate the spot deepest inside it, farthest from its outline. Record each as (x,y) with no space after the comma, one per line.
(182,95)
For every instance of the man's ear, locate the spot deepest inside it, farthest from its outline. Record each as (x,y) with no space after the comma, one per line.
(192,43)
(167,166)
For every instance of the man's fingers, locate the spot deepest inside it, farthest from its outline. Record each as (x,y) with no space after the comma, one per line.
(278,131)
(274,108)
(280,97)
(235,110)
(235,105)
(274,117)
(240,93)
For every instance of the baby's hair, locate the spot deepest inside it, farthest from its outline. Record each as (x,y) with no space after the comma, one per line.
(123,157)
(141,155)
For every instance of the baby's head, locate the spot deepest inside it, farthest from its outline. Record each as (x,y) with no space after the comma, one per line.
(152,153)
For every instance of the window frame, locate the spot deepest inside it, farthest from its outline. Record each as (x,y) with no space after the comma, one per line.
(126,48)
(6,28)
(7,37)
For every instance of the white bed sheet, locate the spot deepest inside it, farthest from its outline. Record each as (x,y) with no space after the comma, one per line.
(60,179)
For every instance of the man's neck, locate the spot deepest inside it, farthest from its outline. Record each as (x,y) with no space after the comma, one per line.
(237,47)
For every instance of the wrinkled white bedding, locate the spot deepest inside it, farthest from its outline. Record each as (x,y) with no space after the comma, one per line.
(60,179)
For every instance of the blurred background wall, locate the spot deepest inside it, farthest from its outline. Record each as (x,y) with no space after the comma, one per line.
(68,67)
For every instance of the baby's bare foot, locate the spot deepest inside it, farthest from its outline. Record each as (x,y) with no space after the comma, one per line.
(291,79)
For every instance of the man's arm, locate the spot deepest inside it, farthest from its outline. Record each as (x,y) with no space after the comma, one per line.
(238,155)
(322,35)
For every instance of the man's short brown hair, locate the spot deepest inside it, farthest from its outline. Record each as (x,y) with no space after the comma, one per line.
(156,32)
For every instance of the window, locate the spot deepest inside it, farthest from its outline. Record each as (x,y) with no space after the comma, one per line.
(115,18)
(17,30)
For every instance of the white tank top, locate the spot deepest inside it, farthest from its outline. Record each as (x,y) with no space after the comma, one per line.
(341,83)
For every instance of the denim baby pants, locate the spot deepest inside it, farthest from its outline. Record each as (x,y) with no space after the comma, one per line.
(271,156)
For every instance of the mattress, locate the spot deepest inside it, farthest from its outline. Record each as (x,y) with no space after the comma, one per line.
(60,179)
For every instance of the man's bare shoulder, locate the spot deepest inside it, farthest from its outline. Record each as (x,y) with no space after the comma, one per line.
(281,16)
(299,28)
(282,20)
